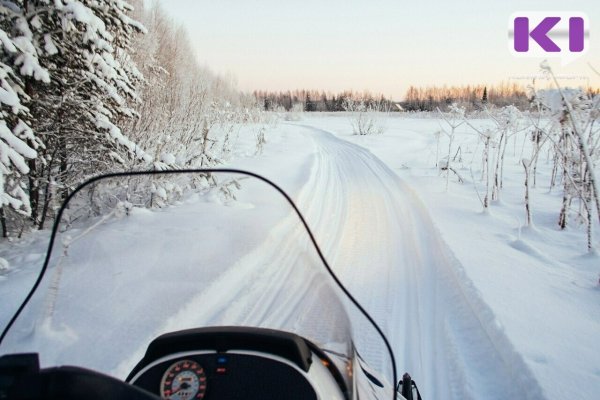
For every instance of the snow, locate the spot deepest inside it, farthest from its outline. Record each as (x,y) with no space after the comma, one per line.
(83,14)
(14,142)
(23,131)
(13,151)
(476,305)
(8,95)
(49,45)
(167,158)
(30,67)
(6,42)
(139,26)
(548,310)
(115,133)
(4,265)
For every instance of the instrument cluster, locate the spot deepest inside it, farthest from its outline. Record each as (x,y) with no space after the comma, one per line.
(224,376)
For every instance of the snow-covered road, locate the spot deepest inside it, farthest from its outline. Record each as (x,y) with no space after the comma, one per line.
(382,243)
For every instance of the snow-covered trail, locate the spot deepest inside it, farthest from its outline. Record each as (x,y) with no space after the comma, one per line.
(381,242)
(383,245)
(380,239)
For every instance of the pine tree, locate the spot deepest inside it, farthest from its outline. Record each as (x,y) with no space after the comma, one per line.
(76,79)
(308,103)
(18,143)
(484,98)
(92,87)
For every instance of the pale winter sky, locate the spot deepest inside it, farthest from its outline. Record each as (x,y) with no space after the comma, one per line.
(379,45)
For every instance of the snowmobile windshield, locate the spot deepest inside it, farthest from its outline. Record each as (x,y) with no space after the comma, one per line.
(134,256)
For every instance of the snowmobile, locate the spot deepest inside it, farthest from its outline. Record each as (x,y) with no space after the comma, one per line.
(203,284)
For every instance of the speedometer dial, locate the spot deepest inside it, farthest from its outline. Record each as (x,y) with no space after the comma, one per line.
(184,380)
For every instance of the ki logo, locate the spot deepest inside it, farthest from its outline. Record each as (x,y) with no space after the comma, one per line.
(549,34)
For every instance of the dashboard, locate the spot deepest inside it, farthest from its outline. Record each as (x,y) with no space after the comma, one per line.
(224,376)
(206,363)
(238,363)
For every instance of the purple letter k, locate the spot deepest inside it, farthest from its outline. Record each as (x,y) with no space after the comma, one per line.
(539,34)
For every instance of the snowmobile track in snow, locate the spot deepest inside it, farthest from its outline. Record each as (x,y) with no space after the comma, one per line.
(382,243)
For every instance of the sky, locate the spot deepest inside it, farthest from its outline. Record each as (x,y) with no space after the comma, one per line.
(383,46)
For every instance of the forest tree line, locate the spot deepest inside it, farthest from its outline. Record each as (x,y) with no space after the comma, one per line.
(430,98)
(473,97)
(315,100)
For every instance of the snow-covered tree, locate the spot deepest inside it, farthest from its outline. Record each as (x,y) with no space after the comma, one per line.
(86,89)
(188,116)
(18,143)
(77,81)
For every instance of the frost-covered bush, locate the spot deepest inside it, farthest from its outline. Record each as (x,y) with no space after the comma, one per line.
(366,117)
(563,124)
(453,119)
(575,140)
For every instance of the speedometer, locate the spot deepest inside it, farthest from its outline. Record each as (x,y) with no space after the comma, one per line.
(184,380)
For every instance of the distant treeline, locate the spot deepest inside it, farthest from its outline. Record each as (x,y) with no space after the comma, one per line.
(314,100)
(472,97)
